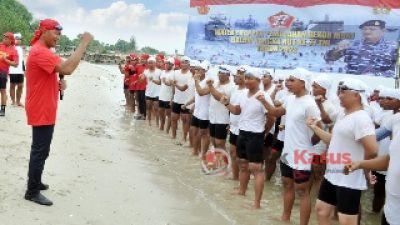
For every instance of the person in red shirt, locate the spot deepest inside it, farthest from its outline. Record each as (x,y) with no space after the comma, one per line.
(8,57)
(124,70)
(160,62)
(141,86)
(43,86)
(132,80)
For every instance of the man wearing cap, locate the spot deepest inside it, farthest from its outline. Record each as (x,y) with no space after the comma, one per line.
(373,54)
(42,86)
(320,88)
(253,120)
(298,143)
(166,94)
(17,74)
(181,83)
(218,113)
(124,69)
(353,139)
(152,90)
(141,85)
(8,57)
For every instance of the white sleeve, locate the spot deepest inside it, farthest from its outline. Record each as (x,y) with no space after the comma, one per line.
(363,126)
(312,110)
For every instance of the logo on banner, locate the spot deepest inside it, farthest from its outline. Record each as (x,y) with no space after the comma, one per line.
(216,162)
(203,10)
(281,20)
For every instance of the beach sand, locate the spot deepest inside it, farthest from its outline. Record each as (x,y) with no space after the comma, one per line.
(106,168)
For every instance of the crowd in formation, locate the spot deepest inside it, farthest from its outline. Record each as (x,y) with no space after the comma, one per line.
(337,138)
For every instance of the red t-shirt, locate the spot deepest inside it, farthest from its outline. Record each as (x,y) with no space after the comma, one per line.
(140,84)
(12,55)
(41,86)
(126,76)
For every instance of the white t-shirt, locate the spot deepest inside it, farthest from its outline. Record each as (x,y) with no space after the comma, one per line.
(297,134)
(219,114)
(201,103)
(152,89)
(181,97)
(392,204)
(332,112)
(166,91)
(19,68)
(252,116)
(345,142)
(393,124)
(235,100)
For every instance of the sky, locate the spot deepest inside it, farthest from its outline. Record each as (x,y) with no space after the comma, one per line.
(160,24)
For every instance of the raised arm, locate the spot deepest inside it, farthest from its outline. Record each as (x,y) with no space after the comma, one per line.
(68,66)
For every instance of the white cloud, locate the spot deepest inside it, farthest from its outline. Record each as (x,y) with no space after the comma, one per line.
(164,31)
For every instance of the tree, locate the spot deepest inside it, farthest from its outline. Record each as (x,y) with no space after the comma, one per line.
(15,18)
(149,50)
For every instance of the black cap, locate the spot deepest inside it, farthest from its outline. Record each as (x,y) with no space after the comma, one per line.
(375,23)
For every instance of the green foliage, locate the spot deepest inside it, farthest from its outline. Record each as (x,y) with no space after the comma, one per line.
(15,18)
(149,50)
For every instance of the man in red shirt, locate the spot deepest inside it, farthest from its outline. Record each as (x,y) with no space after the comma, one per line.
(141,86)
(124,69)
(43,87)
(8,57)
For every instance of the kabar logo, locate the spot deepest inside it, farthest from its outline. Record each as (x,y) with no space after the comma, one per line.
(216,162)
(281,20)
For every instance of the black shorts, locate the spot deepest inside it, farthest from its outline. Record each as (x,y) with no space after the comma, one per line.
(202,124)
(155,99)
(219,131)
(16,78)
(126,87)
(380,178)
(383,220)
(164,104)
(346,200)
(233,138)
(3,81)
(269,140)
(299,176)
(132,92)
(277,146)
(250,146)
(177,109)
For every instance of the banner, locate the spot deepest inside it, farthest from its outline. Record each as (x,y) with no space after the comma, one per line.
(350,38)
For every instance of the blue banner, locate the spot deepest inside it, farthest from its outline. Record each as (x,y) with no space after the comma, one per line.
(337,38)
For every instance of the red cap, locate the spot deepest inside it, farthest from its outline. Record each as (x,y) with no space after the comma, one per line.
(160,56)
(133,56)
(46,24)
(145,56)
(49,24)
(10,37)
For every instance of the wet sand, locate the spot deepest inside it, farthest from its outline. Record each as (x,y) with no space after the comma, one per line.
(106,168)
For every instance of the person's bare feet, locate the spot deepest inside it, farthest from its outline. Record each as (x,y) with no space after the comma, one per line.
(280,219)
(238,192)
(253,206)
(20,104)
(12,103)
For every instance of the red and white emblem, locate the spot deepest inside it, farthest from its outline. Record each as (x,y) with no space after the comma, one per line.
(281,20)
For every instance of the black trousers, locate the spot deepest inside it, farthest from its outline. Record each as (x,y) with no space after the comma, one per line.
(41,140)
(142,101)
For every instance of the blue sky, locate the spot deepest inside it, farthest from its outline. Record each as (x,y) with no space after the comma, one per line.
(157,23)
